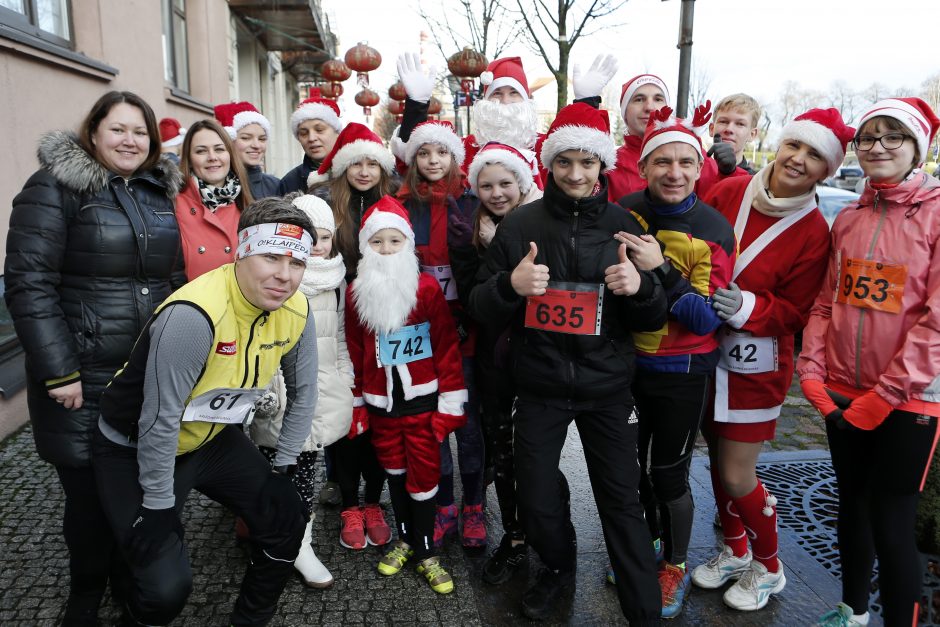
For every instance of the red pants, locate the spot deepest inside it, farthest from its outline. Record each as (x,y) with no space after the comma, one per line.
(406,445)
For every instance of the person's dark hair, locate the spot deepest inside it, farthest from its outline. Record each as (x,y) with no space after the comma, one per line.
(100,111)
(273,209)
(347,216)
(235,164)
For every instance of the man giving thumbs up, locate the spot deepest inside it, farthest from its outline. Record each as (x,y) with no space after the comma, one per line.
(571,297)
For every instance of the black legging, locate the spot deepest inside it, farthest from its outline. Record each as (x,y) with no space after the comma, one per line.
(353,459)
(496,417)
(880,475)
(670,408)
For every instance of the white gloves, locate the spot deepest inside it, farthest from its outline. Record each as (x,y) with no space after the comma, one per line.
(418,85)
(592,83)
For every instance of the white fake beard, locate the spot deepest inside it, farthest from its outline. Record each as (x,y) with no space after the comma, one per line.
(515,124)
(386,289)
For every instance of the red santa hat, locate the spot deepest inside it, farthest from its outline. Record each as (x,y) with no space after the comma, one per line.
(387,213)
(436,132)
(495,153)
(235,116)
(171,133)
(580,126)
(505,72)
(316,107)
(354,142)
(630,87)
(824,130)
(916,116)
(665,128)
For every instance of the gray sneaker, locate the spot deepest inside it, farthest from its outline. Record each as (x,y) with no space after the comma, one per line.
(329,494)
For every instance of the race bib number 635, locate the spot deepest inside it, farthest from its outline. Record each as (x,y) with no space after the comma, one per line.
(566,307)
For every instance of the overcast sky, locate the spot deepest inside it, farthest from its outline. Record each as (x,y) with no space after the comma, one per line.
(744,45)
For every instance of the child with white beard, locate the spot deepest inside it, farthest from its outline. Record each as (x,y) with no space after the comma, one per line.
(409,386)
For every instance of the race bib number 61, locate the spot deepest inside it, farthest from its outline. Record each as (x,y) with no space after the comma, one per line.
(567,307)
(871,284)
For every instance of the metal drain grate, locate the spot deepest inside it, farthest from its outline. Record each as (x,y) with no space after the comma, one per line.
(808,501)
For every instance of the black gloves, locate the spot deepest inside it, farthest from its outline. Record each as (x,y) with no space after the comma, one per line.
(723,153)
(150,529)
(459,231)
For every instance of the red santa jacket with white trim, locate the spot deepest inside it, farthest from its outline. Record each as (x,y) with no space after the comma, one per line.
(785,279)
(441,373)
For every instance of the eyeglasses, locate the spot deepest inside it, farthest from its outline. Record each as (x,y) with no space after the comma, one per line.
(891,141)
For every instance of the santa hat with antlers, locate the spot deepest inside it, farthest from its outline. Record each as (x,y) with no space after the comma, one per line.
(664,128)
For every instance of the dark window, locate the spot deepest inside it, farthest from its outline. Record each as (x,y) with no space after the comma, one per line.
(175,49)
(12,368)
(45,19)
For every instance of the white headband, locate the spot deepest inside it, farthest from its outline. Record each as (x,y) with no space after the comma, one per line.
(274,238)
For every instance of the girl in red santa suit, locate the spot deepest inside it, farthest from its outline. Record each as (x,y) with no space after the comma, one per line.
(440,205)
(783,243)
(408,379)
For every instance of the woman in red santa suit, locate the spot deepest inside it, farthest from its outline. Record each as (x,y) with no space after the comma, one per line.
(408,379)
(783,243)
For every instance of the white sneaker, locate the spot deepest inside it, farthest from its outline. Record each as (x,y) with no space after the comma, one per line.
(752,591)
(721,568)
(313,571)
(843,616)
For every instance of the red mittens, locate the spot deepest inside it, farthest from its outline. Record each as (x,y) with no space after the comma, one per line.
(815,393)
(443,424)
(868,411)
(360,422)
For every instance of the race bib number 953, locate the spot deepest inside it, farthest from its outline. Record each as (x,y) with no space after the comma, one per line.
(871,284)
(566,307)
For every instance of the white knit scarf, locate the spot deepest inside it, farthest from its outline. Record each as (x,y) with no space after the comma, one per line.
(761,200)
(322,275)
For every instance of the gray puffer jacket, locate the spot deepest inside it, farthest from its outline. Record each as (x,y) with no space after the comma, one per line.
(90,255)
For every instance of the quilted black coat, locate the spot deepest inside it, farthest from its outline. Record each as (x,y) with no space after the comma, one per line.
(89,257)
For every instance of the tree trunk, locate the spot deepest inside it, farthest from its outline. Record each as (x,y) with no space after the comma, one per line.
(561,76)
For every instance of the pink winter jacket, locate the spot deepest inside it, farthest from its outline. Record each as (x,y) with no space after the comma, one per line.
(856,349)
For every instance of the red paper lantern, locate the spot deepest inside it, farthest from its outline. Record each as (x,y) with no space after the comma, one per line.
(396,107)
(397,91)
(363,59)
(434,106)
(468,63)
(335,71)
(331,90)
(367,99)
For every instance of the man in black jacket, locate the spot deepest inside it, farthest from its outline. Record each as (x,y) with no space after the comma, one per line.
(557,276)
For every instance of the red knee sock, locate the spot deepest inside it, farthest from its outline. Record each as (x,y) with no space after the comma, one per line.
(762,528)
(731,525)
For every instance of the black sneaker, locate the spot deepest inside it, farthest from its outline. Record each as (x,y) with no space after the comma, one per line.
(540,600)
(505,560)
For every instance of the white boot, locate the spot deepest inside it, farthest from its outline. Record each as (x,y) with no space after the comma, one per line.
(311,569)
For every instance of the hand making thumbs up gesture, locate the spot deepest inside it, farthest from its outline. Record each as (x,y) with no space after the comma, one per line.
(622,279)
(530,278)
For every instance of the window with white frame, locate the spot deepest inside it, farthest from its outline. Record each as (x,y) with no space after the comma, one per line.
(46,19)
(175,48)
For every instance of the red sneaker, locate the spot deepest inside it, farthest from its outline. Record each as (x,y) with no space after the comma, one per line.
(377,531)
(445,524)
(474,526)
(352,535)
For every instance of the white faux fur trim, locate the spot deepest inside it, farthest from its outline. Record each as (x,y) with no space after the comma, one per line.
(498,156)
(434,134)
(585,138)
(424,496)
(504,81)
(176,141)
(741,316)
(820,138)
(314,111)
(243,119)
(383,220)
(396,145)
(358,402)
(396,471)
(315,178)
(670,137)
(907,115)
(647,79)
(359,149)
(451,403)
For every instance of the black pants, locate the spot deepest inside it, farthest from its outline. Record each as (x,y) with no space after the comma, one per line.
(880,474)
(609,437)
(670,406)
(353,459)
(92,558)
(496,414)
(228,469)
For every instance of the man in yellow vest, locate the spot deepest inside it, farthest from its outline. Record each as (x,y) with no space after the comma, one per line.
(171,419)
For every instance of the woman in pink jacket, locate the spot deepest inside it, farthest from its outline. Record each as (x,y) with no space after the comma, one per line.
(871,359)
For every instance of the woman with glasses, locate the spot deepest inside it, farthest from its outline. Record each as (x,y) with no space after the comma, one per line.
(871,359)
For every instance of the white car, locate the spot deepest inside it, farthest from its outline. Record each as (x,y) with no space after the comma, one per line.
(832,200)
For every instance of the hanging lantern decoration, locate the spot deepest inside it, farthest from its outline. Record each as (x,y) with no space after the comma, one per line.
(397,91)
(331,90)
(434,106)
(363,59)
(367,99)
(396,108)
(467,65)
(335,71)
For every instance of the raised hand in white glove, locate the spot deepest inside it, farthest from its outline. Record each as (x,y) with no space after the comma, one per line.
(727,302)
(418,85)
(592,82)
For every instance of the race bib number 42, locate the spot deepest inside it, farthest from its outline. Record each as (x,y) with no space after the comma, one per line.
(566,307)
(405,345)
(233,406)
(871,284)
(745,354)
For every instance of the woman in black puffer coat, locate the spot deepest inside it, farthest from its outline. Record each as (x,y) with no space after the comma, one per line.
(93,248)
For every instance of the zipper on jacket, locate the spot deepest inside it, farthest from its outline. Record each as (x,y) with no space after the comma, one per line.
(263,316)
(571,341)
(861,314)
(143,220)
